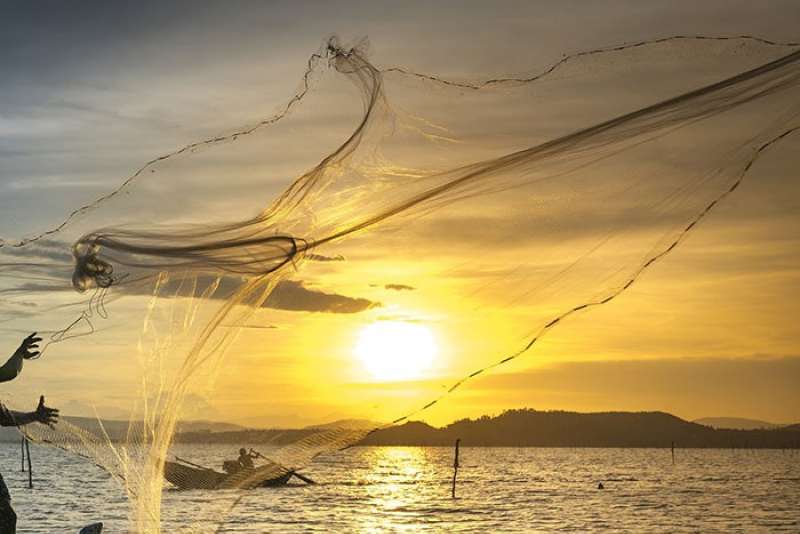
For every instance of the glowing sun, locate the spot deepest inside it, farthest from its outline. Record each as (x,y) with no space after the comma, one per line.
(395,350)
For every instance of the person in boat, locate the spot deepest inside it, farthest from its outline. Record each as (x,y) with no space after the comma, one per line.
(246,459)
(48,416)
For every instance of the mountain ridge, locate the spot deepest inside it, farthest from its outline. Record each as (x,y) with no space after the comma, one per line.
(737,423)
(511,428)
(532,428)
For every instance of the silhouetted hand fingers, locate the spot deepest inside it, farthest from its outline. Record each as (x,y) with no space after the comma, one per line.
(29,346)
(46,415)
(33,338)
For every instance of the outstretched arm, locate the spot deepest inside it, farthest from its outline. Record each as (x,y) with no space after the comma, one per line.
(26,351)
(43,414)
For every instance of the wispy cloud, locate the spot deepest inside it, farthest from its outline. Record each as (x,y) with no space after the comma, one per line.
(399,287)
(295,296)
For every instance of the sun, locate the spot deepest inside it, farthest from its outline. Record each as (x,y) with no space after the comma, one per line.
(396,350)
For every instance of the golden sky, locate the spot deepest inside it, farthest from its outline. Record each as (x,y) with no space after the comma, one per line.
(710,331)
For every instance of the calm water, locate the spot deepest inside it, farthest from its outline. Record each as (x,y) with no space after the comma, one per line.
(398,489)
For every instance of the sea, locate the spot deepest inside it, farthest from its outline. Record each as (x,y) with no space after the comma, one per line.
(408,489)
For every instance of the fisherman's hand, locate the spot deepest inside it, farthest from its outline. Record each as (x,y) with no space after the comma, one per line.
(46,416)
(29,346)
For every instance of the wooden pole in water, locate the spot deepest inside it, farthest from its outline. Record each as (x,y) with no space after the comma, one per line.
(22,449)
(455,469)
(672,446)
(30,468)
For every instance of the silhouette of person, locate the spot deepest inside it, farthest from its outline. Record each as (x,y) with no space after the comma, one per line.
(48,416)
(601,486)
(246,459)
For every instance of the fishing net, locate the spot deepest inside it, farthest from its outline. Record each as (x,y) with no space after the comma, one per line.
(251,277)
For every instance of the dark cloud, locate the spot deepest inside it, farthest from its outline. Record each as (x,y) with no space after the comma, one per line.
(399,287)
(289,295)
(323,258)
(292,295)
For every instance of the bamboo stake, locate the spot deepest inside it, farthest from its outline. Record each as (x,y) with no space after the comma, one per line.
(30,468)
(455,469)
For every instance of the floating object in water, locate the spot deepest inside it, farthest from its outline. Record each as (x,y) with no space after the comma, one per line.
(601,486)
(94,528)
(186,475)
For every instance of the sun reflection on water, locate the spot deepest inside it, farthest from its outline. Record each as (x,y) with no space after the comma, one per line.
(396,477)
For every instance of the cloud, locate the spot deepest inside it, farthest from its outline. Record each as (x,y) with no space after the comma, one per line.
(292,295)
(399,287)
(288,295)
(46,249)
(323,258)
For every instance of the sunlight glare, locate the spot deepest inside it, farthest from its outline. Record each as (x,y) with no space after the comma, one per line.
(396,350)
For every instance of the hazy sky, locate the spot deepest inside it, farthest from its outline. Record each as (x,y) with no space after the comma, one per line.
(90,91)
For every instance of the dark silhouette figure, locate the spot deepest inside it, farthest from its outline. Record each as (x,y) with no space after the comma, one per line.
(246,459)
(48,416)
(601,486)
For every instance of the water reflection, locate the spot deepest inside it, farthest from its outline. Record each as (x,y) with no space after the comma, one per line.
(396,489)
(394,480)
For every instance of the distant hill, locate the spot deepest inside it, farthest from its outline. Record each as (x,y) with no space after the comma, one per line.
(207,426)
(736,423)
(531,428)
(117,430)
(513,428)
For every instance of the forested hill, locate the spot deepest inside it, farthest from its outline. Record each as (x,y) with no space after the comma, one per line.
(513,428)
(531,428)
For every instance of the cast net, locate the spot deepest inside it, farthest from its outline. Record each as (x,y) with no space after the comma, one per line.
(381,242)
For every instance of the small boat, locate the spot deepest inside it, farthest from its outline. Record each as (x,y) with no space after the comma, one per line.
(186,476)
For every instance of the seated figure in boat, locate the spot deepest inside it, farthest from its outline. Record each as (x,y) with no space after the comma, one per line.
(246,459)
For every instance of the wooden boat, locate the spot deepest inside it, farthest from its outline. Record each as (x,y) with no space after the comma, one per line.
(186,476)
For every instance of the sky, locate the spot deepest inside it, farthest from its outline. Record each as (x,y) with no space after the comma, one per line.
(92,91)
